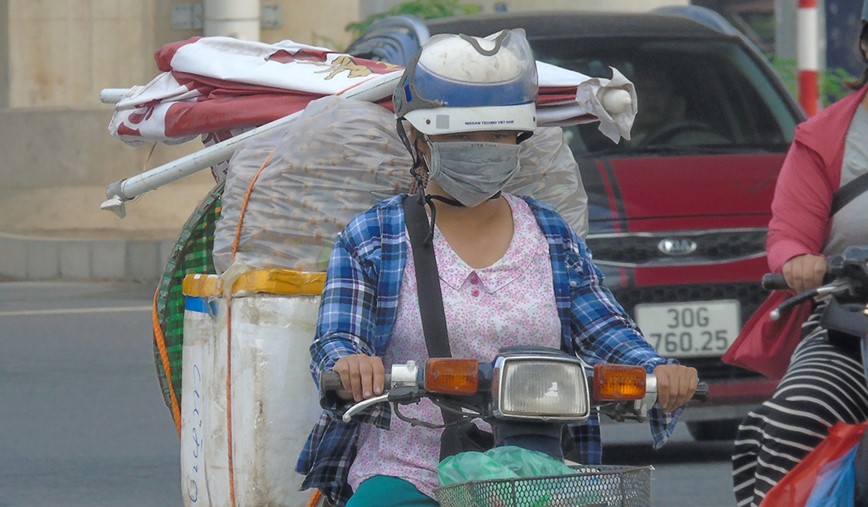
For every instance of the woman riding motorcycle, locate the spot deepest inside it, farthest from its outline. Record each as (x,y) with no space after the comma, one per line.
(825,382)
(511,270)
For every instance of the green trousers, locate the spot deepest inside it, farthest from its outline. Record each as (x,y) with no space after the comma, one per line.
(382,490)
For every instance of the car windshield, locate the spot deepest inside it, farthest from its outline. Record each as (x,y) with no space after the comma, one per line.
(691,94)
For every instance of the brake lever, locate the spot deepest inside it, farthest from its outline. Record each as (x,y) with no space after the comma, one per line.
(403,395)
(836,287)
(358,407)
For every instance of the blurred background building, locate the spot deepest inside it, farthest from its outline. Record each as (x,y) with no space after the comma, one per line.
(57,55)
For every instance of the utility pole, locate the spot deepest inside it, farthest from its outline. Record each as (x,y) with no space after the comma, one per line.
(807,55)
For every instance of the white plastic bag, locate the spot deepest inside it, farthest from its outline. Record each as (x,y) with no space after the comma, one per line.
(336,160)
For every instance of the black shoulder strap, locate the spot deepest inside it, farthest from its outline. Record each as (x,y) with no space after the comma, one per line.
(847,193)
(431,309)
(427,279)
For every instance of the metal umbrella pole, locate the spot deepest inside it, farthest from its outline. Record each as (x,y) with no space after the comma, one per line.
(121,191)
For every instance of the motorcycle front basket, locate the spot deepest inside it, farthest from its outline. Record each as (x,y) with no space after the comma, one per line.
(607,485)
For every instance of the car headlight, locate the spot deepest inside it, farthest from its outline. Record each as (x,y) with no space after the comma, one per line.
(529,387)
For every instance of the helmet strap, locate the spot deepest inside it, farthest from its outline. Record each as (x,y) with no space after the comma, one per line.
(414,152)
(402,134)
(447,200)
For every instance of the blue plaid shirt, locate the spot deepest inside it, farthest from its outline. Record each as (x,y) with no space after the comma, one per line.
(359,306)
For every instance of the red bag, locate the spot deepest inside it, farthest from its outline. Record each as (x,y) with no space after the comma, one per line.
(765,345)
(795,488)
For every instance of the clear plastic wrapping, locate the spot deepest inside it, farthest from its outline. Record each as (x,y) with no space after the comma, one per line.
(549,173)
(336,160)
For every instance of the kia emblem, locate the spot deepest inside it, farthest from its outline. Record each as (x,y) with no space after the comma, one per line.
(677,246)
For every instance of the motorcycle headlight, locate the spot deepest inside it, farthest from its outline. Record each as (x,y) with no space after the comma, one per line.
(540,387)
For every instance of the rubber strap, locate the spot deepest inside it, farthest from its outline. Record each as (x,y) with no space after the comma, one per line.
(427,279)
(847,193)
(431,308)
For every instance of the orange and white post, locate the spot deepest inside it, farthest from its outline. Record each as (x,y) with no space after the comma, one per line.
(807,58)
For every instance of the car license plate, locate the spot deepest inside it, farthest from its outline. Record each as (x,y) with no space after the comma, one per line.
(704,328)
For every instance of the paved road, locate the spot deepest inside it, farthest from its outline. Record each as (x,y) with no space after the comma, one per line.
(686,473)
(82,421)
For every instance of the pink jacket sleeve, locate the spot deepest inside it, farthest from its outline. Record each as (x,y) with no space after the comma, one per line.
(800,207)
(811,173)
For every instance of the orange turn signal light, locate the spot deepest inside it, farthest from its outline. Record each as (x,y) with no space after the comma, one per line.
(614,382)
(452,376)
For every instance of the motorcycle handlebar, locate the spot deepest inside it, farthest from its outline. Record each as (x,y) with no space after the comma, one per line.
(701,393)
(774,281)
(331,381)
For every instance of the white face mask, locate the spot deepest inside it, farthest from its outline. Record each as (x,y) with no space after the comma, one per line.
(472,172)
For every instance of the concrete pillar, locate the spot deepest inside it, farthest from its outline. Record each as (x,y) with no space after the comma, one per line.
(232,18)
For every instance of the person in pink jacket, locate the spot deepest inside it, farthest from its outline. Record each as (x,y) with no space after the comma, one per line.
(825,381)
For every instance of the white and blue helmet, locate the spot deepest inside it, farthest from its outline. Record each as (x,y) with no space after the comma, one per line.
(459,83)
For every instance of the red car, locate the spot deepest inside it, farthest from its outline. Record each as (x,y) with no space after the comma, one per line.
(678,214)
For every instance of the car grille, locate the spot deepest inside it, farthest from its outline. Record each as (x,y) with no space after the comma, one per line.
(750,295)
(686,247)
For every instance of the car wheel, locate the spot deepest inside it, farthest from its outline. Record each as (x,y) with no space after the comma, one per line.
(714,430)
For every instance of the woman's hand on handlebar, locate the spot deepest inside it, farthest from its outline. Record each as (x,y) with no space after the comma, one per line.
(675,385)
(805,272)
(362,375)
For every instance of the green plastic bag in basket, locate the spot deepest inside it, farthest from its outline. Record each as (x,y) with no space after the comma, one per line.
(499,463)
(503,463)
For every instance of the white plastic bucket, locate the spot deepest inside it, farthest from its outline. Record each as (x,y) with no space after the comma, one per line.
(198,331)
(274,403)
(204,473)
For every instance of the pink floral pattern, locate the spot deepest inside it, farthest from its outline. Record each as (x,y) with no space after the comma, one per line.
(508,303)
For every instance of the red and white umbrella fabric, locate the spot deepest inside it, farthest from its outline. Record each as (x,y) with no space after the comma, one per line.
(219,86)
(228,91)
